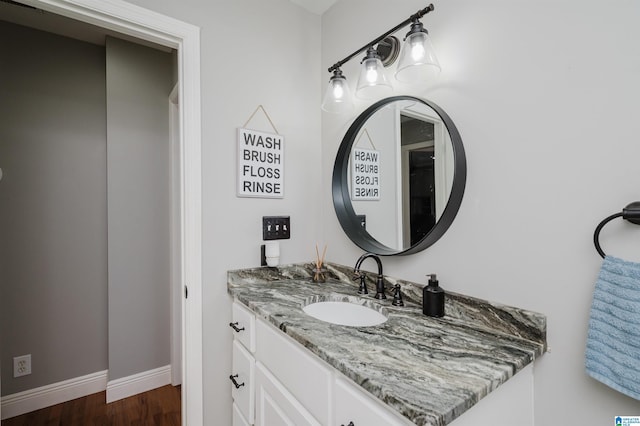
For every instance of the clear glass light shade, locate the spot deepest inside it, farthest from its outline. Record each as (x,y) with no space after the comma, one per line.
(373,82)
(418,61)
(337,97)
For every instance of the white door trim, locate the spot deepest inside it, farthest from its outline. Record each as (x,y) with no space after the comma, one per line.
(133,20)
(176,286)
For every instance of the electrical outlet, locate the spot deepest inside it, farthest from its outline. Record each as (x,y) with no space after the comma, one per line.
(276,227)
(21,365)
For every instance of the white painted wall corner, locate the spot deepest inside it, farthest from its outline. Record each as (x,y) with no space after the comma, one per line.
(138,383)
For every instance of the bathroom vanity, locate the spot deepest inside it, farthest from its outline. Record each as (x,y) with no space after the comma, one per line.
(473,366)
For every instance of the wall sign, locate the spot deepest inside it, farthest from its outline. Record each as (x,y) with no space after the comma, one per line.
(365,174)
(260,164)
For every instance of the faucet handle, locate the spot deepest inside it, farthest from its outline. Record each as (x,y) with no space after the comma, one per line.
(397,296)
(363,285)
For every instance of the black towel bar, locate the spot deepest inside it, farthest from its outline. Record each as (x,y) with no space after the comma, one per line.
(630,213)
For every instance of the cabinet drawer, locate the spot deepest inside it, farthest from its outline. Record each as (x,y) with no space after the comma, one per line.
(243,325)
(300,372)
(353,404)
(243,365)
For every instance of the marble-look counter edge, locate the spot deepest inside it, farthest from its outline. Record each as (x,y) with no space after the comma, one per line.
(513,336)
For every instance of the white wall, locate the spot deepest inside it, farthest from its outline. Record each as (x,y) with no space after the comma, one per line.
(545,96)
(253,52)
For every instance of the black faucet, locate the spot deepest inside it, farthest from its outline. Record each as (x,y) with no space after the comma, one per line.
(380,282)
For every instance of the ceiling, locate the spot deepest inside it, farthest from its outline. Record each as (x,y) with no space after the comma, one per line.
(316,6)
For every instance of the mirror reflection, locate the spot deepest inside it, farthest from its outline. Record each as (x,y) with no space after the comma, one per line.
(400,173)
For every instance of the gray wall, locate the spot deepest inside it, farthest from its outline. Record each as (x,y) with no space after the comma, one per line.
(53,207)
(138,87)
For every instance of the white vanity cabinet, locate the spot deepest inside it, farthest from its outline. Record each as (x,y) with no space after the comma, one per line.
(301,373)
(275,405)
(285,384)
(268,369)
(243,365)
(353,406)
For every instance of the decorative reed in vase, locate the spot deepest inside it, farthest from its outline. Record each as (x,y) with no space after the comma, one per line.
(320,272)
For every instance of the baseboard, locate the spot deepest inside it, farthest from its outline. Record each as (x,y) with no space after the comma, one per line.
(56,393)
(138,383)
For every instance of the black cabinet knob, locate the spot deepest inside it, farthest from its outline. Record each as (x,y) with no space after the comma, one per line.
(235,383)
(234,325)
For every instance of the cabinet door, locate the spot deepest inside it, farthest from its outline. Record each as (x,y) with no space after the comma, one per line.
(353,404)
(242,371)
(302,374)
(275,406)
(238,418)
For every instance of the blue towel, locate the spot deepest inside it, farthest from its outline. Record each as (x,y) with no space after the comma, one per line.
(613,341)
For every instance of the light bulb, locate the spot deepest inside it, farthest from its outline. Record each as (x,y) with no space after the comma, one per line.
(417,51)
(418,62)
(372,82)
(372,74)
(337,97)
(338,90)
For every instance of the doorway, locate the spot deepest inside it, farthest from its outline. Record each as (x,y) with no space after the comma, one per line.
(134,21)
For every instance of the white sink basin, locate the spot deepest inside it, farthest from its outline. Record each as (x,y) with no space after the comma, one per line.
(344,313)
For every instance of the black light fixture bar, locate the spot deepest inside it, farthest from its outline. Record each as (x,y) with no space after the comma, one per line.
(419,14)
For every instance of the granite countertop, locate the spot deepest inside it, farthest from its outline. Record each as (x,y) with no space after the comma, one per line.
(431,370)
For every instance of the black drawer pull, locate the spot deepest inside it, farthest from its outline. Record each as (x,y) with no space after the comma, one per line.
(350,424)
(234,325)
(235,383)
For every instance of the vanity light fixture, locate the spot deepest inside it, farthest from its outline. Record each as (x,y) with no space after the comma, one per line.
(373,82)
(337,97)
(416,56)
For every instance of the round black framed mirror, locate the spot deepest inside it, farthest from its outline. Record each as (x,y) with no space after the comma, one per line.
(399,176)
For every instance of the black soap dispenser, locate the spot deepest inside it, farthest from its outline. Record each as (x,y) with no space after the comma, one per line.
(433,298)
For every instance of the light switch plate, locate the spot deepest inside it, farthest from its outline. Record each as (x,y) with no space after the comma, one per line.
(276,228)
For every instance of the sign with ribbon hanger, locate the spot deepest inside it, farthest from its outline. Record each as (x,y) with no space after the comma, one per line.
(365,172)
(260,161)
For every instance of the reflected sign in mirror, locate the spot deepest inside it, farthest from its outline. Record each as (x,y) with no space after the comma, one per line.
(399,176)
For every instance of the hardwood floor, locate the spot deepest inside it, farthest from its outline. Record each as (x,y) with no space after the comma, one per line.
(157,407)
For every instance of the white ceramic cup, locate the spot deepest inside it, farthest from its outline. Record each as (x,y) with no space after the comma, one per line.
(272,253)
(272,249)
